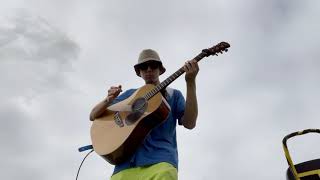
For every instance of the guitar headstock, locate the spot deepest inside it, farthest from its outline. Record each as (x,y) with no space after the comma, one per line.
(219,48)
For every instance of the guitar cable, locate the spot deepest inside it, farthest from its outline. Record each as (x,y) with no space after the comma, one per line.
(84,148)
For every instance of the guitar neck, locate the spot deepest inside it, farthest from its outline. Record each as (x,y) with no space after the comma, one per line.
(174,76)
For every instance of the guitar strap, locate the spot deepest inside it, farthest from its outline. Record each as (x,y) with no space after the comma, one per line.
(167,93)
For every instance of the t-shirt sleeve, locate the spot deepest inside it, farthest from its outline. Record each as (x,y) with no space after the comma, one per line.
(123,96)
(180,106)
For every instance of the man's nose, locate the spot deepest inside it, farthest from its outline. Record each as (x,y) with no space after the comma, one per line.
(149,68)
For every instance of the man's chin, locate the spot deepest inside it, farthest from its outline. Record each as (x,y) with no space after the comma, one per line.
(150,81)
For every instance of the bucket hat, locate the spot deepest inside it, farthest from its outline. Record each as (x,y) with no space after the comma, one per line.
(148,55)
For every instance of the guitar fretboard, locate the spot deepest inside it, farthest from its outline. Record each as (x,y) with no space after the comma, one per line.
(173,77)
(164,84)
(219,48)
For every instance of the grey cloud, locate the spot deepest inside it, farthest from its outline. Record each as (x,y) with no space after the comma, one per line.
(19,135)
(33,38)
(33,54)
(34,60)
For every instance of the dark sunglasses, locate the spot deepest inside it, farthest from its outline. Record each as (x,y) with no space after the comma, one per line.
(152,65)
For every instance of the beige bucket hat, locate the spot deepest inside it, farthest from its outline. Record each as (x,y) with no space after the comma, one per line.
(148,55)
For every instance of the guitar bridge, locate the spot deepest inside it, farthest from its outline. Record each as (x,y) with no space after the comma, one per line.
(117,119)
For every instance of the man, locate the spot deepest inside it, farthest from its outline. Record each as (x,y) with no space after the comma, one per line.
(157,157)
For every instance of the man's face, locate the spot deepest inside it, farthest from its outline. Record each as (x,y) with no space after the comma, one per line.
(150,72)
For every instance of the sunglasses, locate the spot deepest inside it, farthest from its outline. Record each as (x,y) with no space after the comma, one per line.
(152,65)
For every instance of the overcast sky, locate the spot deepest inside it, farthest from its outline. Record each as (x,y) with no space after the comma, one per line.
(58,58)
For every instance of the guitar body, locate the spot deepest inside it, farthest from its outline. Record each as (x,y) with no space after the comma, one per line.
(122,129)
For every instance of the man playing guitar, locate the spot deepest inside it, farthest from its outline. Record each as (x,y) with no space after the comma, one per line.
(157,157)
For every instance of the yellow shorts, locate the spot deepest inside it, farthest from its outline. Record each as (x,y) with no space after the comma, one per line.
(159,171)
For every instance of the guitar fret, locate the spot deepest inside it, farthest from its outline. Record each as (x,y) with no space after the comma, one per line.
(152,92)
(166,81)
(157,89)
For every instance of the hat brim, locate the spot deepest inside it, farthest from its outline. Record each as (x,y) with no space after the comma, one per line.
(136,67)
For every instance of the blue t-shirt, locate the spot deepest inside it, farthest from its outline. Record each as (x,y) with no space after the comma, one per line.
(160,144)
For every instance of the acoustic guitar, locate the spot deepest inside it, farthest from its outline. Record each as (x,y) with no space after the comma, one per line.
(122,128)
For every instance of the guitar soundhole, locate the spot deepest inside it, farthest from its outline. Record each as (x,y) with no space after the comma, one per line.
(137,109)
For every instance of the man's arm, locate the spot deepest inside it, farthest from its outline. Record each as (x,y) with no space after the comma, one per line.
(191,110)
(189,118)
(100,108)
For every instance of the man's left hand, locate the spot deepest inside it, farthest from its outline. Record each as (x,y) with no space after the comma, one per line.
(191,68)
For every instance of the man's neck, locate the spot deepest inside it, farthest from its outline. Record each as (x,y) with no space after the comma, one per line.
(154,83)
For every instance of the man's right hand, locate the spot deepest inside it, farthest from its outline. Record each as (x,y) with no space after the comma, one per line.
(113,92)
(100,108)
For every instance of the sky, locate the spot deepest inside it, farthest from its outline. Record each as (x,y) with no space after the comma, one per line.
(58,59)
